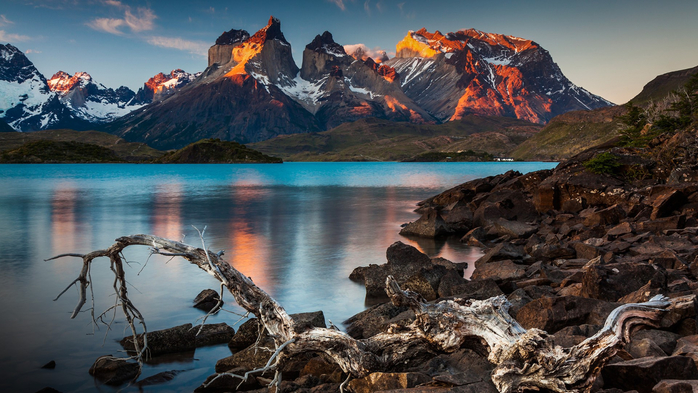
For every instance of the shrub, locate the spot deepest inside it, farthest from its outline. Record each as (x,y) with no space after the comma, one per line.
(602,163)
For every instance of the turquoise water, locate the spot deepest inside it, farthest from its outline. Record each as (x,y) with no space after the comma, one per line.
(297,229)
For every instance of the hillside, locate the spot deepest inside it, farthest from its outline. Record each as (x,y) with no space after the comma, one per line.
(573,132)
(125,151)
(382,140)
(45,151)
(211,151)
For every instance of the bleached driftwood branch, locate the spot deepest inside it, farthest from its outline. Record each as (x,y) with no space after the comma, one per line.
(523,359)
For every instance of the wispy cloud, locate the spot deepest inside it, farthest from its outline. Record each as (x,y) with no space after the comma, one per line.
(4,21)
(339,3)
(32,51)
(114,3)
(142,20)
(194,47)
(367,7)
(380,5)
(9,37)
(107,25)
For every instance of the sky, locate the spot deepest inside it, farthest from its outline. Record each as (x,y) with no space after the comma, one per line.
(611,47)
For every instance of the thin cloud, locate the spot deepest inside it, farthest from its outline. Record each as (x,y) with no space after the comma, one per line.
(199,48)
(4,21)
(32,51)
(114,3)
(379,6)
(143,20)
(107,25)
(9,37)
(367,7)
(339,3)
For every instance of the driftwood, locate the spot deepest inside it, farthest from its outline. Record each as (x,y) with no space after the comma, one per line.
(523,359)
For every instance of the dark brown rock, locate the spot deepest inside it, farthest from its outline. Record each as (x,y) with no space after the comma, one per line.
(387,381)
(500,271)
(662,224)
(452,285)
(177,339)
(372,321)
(113,371)
(664,339)
(613,281)
(552,314)
(430,224)
(213,334)
(676,386)
(206,300)
(666,204)
(608,216)
(227,383)
(643,374)
(246,335)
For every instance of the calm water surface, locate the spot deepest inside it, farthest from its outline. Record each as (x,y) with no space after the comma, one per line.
(298,229)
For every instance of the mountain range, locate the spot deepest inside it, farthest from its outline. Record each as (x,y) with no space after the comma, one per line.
(252,90)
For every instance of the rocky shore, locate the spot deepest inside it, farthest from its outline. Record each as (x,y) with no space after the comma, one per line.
(566,247)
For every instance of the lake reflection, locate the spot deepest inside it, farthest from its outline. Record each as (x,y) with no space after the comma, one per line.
(297,229)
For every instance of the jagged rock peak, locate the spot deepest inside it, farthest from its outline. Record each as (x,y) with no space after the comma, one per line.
(232,37)
(62,82)
(425,44)
(325,43)
(272,31)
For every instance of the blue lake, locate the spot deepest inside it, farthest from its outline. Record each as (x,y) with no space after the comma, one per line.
(297,229)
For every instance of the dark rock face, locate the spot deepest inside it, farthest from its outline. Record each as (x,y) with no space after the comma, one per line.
(206,300)
(232,37)
(553,313)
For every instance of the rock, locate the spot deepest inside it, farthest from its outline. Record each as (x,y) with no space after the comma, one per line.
(372,321)
(177,339)
(554,313)
(405,263)
(386,381)
(518,299)
(500,271)
(676,386)
(573,335)
(621,229)
(644,348)
(430,224)
(613,281)
(113,371)
(514,229)
(608,216)
(662,224)
(308,320)
(500,252)
(226,383)
(317,367)
(213,334)
(452,285)
(586,251)
(664,339)
(642,374)
(475,237)
(246,335)
(163,377)
(50,365)
(206,300)
(684,307)
(666,204)
(248,359)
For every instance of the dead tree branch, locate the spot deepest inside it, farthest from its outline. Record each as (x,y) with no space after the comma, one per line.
(523,359)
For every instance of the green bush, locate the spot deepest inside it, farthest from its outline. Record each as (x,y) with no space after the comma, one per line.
(602,163)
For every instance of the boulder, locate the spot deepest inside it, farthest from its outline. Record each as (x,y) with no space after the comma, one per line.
(246,335)
(387,381)
(643,348)
(374,320)
(664,339)
(554,313)
(206,300)
(676,386)
(662,224)
(643,374)
(608,216)
(112,371)
(453,285)
(177,339)
(500,252)
(430,224)
(225,383)
(500,271)
(213,334)
(613,281)
(666,204)
(247,359)
(513,229)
